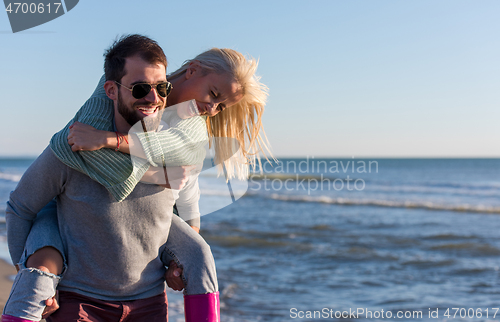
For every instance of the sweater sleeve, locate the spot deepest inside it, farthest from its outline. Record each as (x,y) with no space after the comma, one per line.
(182,144)
(43,181)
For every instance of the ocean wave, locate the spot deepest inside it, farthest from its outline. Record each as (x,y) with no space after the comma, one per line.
(10,177)
(465,190)
(428,263)
(388,203)
(429,205)
(240,241)
(448,236)
(224,192)
(445,184)
(402,180)
(482,189)
(290,176)
(474,271)
(323,227)
(476,249)
(360,253)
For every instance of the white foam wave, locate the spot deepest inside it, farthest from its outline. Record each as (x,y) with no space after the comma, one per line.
(221,193)
(10,177)
(495,192)
(388,203)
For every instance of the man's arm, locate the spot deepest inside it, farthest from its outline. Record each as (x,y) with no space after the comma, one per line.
(43,181)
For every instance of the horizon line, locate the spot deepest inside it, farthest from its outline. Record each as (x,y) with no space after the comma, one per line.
(319,157)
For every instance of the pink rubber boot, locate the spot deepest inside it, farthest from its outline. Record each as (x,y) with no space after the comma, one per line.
(9,318)
(202,307)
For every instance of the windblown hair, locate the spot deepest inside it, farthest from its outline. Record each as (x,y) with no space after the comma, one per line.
(235,132)
(129,46)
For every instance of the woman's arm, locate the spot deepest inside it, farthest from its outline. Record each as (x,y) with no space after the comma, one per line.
(176,146)
(182,145)
(84,137)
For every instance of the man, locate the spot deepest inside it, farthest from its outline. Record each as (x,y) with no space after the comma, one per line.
(112,247)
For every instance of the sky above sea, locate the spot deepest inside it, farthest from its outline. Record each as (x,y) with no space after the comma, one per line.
(346,78)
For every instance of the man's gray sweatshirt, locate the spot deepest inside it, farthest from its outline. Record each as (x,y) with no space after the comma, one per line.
(112,247)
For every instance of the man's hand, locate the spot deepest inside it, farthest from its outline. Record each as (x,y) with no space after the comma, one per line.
(173,277)
(52,305)
(83,137)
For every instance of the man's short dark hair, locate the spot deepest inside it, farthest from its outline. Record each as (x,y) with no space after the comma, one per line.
(129,46)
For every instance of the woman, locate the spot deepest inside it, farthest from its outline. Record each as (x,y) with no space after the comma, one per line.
(224,86)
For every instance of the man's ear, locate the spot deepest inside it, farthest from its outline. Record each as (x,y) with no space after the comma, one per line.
(193,68)
(111,89)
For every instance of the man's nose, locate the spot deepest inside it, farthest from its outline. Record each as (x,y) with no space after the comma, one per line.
(153,96)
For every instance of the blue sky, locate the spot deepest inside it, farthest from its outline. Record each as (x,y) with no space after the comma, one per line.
(358,78)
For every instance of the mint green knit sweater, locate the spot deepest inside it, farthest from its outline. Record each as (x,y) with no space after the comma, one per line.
(182,144)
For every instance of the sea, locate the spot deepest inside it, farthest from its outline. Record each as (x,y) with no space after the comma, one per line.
(316,239)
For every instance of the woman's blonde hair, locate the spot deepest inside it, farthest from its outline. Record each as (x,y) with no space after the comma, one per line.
(242,121)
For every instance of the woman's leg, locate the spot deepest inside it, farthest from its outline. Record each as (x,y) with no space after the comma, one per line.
(40,269)
(190,251)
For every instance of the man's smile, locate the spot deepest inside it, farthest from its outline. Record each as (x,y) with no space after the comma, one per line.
(148,110)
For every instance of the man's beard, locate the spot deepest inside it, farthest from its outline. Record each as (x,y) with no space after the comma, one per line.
(130,115)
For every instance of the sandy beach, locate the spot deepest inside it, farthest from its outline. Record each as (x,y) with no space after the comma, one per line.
(6,270)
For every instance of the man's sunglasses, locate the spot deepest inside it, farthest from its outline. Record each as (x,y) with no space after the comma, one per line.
(142,89)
